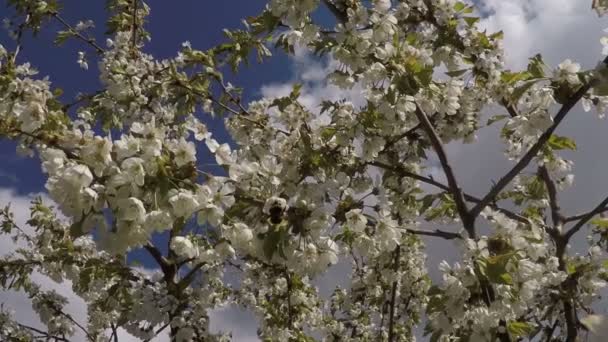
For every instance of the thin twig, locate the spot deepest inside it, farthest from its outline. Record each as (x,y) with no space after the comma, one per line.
(533,151)
(580,216)
(340,15)
(556,215)
(89,41)
(435,233)
(134,27)
(454,189)
(405,173)
(598,209)
(391,317)
(44,333)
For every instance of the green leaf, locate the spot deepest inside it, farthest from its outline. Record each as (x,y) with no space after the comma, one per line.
(436,304)
(600,222)
(520,329)
(471,20)
(513,77)
(496,268)
(434,290)
(62,36)
(601,89)
(274,240)
(76,229)
(521,90)
(459,6)
(537,66)
(57,92)
(427,202)
(457,73)
(570,267)
(497,35)
(295,92)
(557,142)
(436,336)
(496,118)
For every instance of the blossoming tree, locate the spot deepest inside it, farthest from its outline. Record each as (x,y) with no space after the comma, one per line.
(296,195)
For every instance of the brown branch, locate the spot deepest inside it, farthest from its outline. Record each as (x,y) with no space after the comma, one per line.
(391,317)
(550,330)
(71,319)
(454,189)
(89,41)
(581,216)
(187,279)
(410,134)
(114,332)
(134,27)
(46,334)
(405,173)
(533,151)
(598,209)
(556,215)
(510,108)
(164,264)
(289,306)
(340,15)
(435,233)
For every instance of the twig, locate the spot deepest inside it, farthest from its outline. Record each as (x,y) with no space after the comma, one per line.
(289,306)
(549,331)
(391,318)
(405,173)
(89,41)
(598,209)
(134,27)
(455,190)
(580,216)
(340,15)
(44,333)
(556,215)
(435,233)
(533,151)
(114,333)
(187,279)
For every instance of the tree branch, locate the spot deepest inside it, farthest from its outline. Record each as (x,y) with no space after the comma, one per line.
(580,216)
(134,27)
(435,233)
(89,41)
(340,15)
(556,215)
(533,151)
(427,180)
(391,318)
(454,189)
(598,209)
(46,334)
(164,264)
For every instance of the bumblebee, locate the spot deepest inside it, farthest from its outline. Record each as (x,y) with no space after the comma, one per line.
(276,214)
(275,208)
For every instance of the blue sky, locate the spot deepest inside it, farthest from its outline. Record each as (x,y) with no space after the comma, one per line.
(170,24)
(200,22)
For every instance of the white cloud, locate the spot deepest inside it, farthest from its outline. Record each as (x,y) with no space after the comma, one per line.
(558,29)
